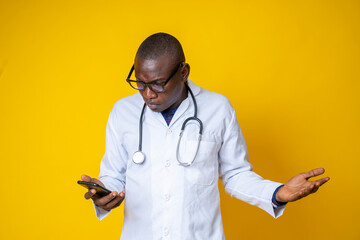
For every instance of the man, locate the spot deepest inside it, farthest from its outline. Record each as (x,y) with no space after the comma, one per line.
(172,193)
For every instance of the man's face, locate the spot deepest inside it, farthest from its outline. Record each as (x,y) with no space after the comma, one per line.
(159,70)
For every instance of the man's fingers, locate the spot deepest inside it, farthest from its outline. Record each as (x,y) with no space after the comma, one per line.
(122,194)
(108,202)
(105,200)
(114,203)
(322,181)
(316,184)
(314,173)
(89,194)
(118,204)
(85,178)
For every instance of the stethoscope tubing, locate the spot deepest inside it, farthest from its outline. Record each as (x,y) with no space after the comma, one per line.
(139,156)
(140,127)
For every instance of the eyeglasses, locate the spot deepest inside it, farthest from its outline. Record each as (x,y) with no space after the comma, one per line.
(154,86)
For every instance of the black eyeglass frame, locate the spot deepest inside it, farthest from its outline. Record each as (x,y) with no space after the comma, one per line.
(151,83)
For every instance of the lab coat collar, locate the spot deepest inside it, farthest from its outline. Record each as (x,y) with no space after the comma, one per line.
(194,88)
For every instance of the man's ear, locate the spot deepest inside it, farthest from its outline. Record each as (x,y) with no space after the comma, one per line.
(185,71)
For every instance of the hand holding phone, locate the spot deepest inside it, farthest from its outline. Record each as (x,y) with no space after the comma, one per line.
(101,196)
(100,190)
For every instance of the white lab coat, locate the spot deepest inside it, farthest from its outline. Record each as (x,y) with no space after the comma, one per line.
(163,199)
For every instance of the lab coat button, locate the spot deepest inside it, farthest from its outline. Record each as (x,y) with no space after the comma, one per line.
(166,232)
(167,163)
(167,197)
(169,131)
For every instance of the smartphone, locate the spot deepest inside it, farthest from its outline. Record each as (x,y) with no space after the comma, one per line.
(101,191)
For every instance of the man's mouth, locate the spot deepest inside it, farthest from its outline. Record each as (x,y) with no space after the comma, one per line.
(152,104)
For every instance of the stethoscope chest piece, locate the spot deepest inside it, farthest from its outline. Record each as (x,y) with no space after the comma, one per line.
(138,157)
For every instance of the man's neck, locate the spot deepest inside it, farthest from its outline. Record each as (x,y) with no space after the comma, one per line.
(184,95)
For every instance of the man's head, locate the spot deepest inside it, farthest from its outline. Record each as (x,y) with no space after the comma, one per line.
(160,44)
(157,58)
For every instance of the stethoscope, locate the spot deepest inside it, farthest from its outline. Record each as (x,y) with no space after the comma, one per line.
(139,157)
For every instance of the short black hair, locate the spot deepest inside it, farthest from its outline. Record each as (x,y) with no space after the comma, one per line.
(160,44)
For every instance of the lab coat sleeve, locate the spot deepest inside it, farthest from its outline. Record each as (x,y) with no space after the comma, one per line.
(113,164)
(236,172)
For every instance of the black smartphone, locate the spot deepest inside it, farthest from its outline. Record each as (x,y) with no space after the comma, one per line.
(101,191)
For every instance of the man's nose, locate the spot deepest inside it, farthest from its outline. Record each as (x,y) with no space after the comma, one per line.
(148,93)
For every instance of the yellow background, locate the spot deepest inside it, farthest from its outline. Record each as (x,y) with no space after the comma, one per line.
(290,69)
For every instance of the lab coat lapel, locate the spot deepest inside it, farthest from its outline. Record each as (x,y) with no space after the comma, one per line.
(156,116)
(184,107)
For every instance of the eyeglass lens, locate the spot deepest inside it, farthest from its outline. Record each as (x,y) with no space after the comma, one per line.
(153,86)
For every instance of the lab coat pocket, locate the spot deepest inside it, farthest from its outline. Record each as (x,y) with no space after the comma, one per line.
(203,170)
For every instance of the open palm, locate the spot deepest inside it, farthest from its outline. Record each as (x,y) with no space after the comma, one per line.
(300,186)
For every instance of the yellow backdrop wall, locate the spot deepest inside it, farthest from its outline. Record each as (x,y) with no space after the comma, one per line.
(290,69)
